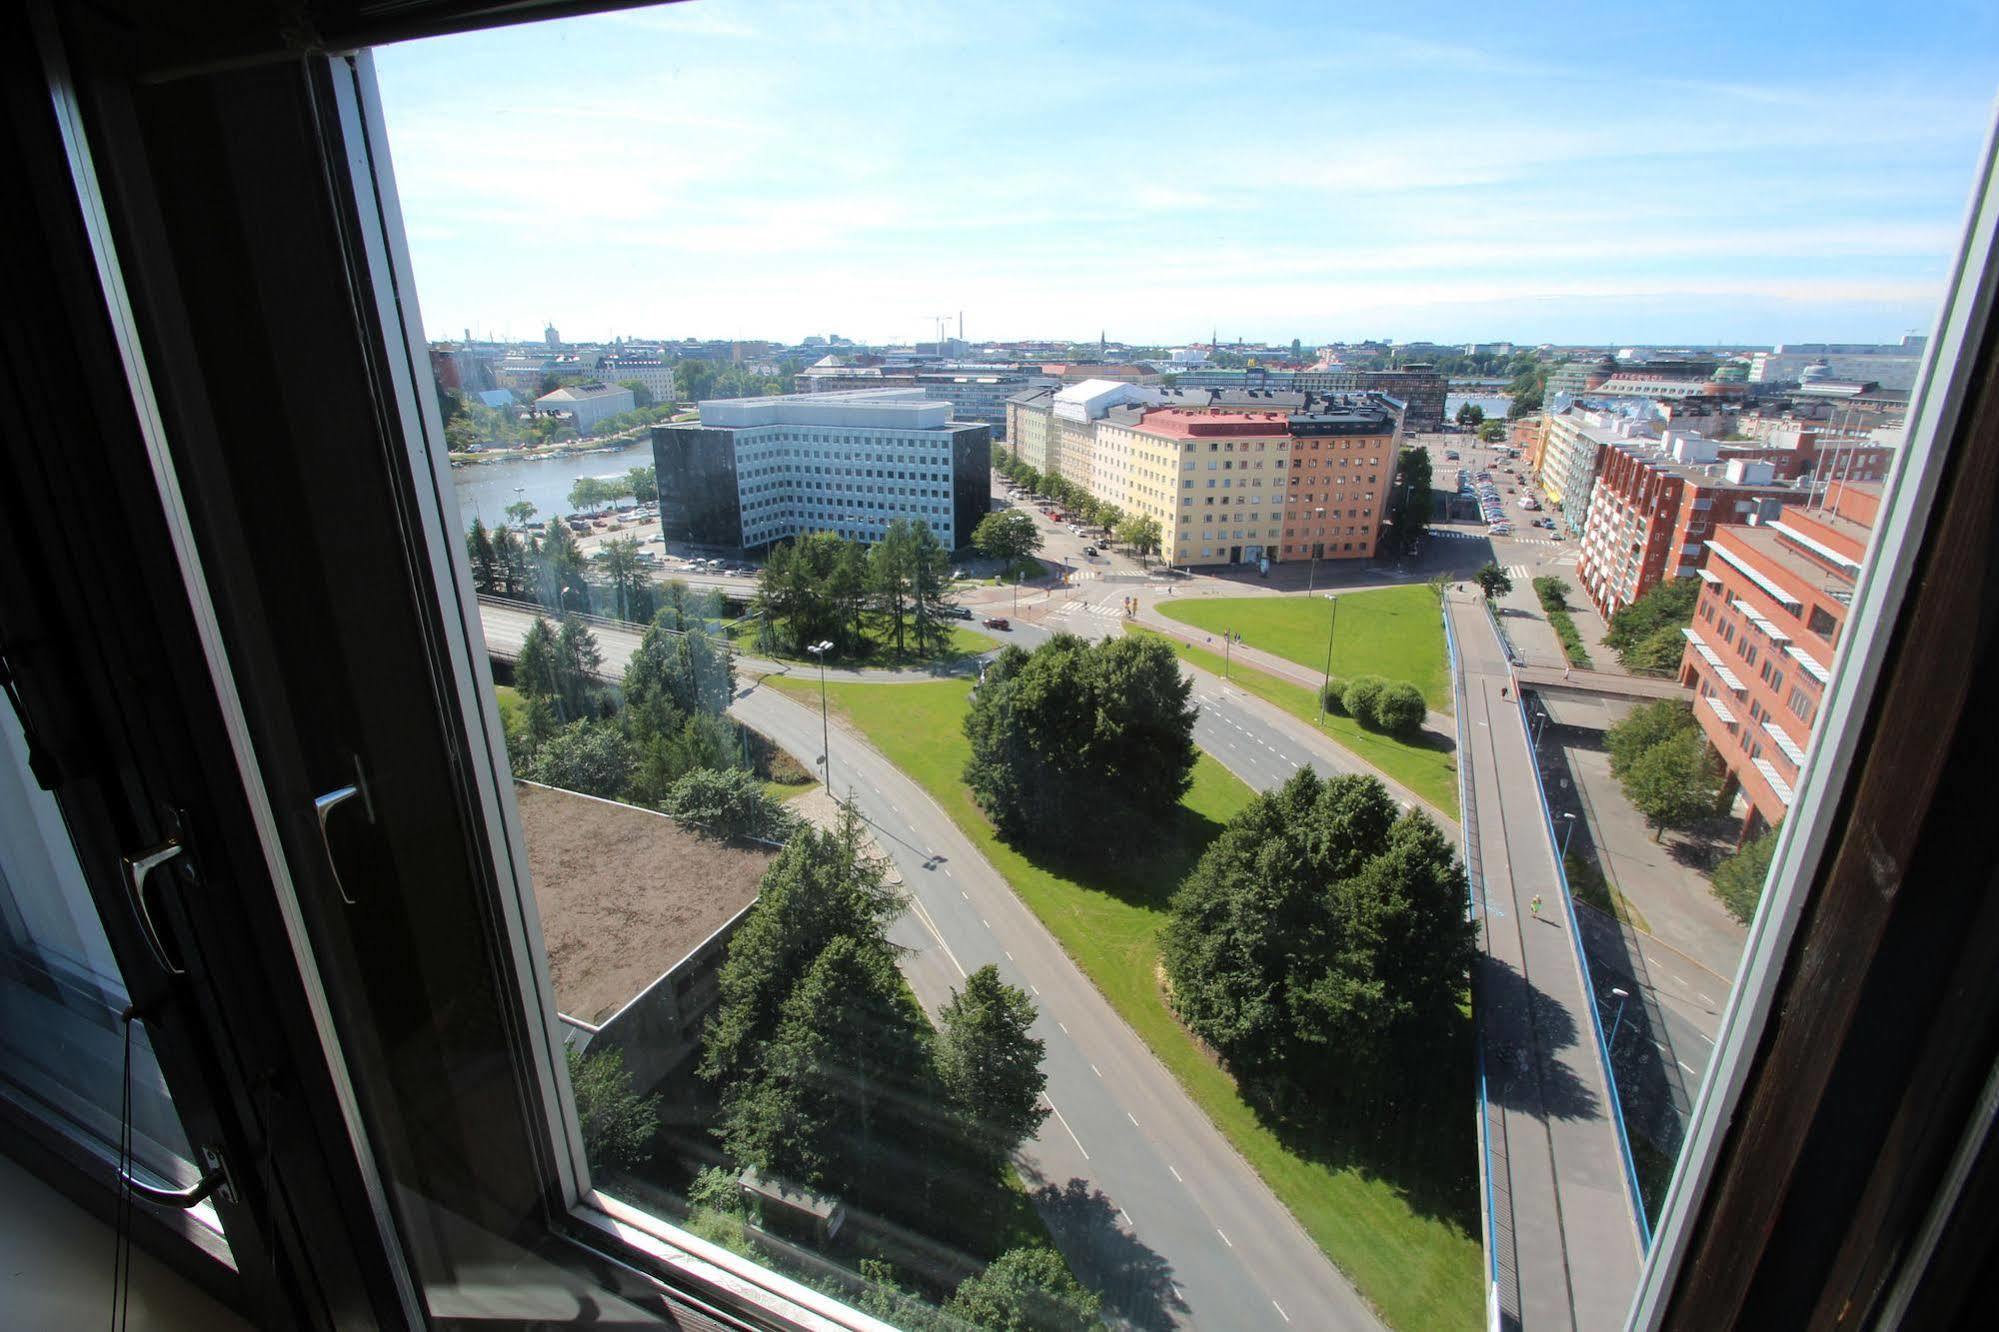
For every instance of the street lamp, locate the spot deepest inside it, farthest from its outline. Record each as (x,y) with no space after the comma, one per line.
(819,650)
(1016,591)
(1313,582)
(1327,683)
(1540,725)
(1228,640)
(1621,995)
(1569,827)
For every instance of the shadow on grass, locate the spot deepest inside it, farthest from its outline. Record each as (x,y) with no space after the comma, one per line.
(1139,861)
(1135,1281)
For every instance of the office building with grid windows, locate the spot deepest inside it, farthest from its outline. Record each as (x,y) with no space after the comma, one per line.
(755,471)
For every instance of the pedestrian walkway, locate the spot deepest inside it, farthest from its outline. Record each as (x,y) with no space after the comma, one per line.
(1566,1235)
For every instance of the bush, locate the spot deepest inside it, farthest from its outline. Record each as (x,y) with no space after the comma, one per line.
(1335,697)
(1399,709)
(1738,881)
(1361,696)
(1553,593)
(729,803)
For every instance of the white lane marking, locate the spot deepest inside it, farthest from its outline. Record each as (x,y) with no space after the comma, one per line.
(1098,1071)
(1065,1124)
(1677,980)
(1225,1239)
(1703,998)
(1176,1175)
(1127,1114)
(1280,1311)
(1683,1064)
(1127,1217)
(1063,1025)
(983,921)
(1009,956)
(1036,988)
(1708,1039)
(947,872)
(938,935)
(961,893)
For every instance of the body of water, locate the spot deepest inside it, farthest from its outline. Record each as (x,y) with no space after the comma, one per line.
(1492,404)
(486,489)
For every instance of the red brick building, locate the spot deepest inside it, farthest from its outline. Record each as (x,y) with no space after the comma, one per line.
(1773,604)
(1653,507)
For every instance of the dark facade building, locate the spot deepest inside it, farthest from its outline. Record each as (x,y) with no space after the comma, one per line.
(756,471)
(1420,389)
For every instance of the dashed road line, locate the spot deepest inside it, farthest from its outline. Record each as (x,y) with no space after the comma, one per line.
(1098,1071)
(1225,1237)
(1176,1175)
(1065,1124)
(1280,1311)
(1127,1114)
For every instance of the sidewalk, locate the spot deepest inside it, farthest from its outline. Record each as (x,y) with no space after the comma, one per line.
(1526,624)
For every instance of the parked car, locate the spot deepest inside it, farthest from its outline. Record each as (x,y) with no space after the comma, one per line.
(1089,550)
(958,612)
(998,622)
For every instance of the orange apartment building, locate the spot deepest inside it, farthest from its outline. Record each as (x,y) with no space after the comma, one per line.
(1773,602)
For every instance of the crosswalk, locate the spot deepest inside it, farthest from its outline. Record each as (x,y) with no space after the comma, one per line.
(1102,610)
(1517,572)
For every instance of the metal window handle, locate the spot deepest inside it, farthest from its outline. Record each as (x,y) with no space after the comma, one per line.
(137,870)
(324,806)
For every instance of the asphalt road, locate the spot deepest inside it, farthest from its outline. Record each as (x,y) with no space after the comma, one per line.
(1153,1207)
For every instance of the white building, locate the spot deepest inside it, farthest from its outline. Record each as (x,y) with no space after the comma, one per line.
(588,403)
(651,371)
(755,471)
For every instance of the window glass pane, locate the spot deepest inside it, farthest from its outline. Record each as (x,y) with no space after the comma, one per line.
(1481,715)
(61,993)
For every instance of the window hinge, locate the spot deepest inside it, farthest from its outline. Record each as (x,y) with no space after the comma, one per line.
(214,1181)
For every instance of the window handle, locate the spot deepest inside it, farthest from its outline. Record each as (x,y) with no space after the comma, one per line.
(138,869)
(324,805)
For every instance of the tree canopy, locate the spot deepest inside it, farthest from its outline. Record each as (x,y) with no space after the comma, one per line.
(1007,535)
(990,1063)
(1409,506)
(617,1123)
(1646,634)
(1070,731)
(1026,1290)
(1492,581)
(1738,880)
(1321,944)
(1675,782)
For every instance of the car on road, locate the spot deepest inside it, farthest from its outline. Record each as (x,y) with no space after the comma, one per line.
(1089,550)
(958,612)
(998,622)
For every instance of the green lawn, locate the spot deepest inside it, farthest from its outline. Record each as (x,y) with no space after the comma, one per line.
(1430,771)
(742,635)
(1411,1248)
(1396,632)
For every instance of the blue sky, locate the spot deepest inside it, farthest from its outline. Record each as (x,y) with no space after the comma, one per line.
(1536,171)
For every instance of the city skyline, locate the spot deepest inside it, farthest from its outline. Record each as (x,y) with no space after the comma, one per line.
(765,170)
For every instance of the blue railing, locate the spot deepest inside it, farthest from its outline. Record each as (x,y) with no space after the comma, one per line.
(1589,981)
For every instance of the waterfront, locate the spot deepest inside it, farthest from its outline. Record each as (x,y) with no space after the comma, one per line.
(1492,404)
(486,489)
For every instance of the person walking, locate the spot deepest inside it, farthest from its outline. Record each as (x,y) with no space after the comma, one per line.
(1535,906)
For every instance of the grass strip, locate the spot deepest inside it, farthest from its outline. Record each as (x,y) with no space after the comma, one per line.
(1428,770)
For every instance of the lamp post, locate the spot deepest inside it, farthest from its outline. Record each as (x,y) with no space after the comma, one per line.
(1327,683)
(1228,640)
(1568,828)
(1313,582)
(1617,1022)
(819,650)
(1016,592)
(1540,725)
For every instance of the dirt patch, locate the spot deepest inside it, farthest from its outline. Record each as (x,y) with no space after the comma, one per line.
(624,893)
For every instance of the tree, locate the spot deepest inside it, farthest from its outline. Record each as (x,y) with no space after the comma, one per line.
(1067,738)
(1008,535)
(577,661)
(1399,709)
(522,511)
(729,803)
(1738,880)
(1362,695)
(1470,414)
(1674,782)
(1140,534)
(479,550)
(674,674)
(617,1123)
(1646,634)
(1109,517)
(989,1061)
(1409,514)
(590,492)
(642,484)
(641,395)
(1321,946)
(1025,1290)
(627,576)
(890,563)
(536,673)
(559,580)
(1644,728)
(692,379)
(1492,580)
(929,577)
(588,756)
(1492,432)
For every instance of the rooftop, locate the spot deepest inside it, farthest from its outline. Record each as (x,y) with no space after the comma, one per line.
(583,393)
(624,893)
(1768,549)
(1179,424)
